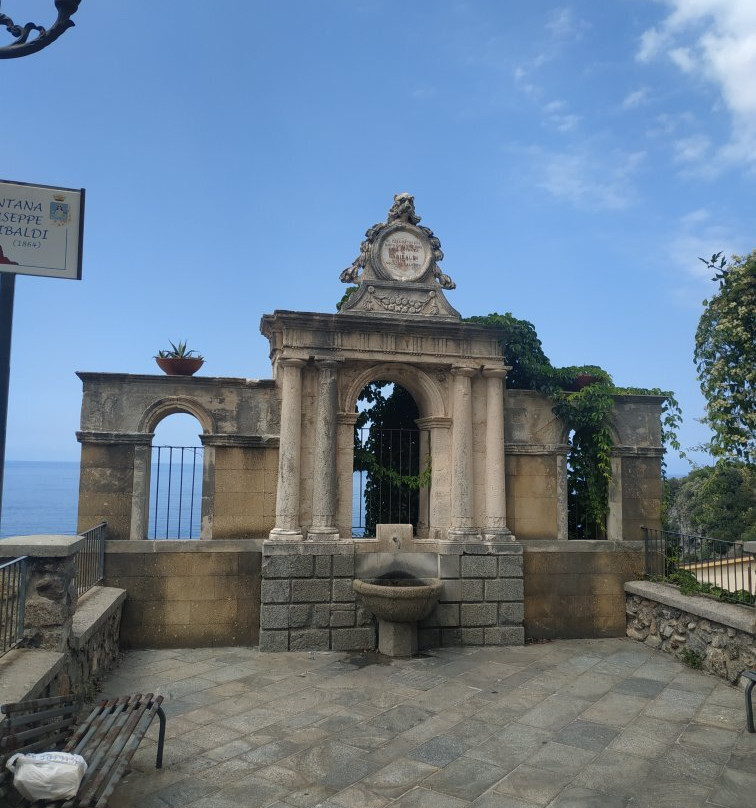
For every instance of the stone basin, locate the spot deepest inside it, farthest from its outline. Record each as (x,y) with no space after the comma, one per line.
(398,603)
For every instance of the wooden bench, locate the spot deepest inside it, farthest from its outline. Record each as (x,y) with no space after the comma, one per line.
(107,740)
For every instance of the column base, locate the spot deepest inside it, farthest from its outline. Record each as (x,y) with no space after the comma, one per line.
(280,534)
(323,534)
(494,534)
(463,534)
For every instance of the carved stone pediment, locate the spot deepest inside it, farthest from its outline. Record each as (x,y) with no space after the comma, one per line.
(397,269)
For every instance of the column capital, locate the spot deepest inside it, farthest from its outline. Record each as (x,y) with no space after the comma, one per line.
(463,371)
(434,422)
(496,372)
(291,362)
(328,363)
(347,418)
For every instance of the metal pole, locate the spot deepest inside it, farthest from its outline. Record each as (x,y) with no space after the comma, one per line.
(7,291)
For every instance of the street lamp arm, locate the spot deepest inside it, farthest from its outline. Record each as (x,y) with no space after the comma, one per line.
(23,46)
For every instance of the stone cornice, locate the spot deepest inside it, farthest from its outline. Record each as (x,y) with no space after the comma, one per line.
(173,381)
(241,441)
(536,448)
(133,438)
(637,451)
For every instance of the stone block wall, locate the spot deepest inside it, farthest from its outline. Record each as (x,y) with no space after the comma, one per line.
(717,637)
(576,590)
(482,599)
(245,491)
(187,594)
(106,484)
(308,602)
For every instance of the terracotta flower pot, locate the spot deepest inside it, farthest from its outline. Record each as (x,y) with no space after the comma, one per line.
(179,367)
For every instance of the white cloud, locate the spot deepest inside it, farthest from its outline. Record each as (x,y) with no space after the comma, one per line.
(585,179)
(692,149)
(635,98)
(563,24)
(559,118)
(714,40)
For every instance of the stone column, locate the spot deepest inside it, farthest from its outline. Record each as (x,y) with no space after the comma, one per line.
(462,504)
(423,495)
(287,493)
(496,500)
(345,471)
(438,429)
(614,530)
(562,525)
(324,481)
(140,517)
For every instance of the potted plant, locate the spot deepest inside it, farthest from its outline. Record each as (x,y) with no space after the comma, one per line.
(179,360)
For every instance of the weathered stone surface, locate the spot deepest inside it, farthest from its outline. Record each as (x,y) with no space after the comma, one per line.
(716,647)
(479,566)
(478,614)
(316,590)
(275,591)
(509,589)
(353,639)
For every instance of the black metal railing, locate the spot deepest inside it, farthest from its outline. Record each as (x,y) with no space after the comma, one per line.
(12,602)
(701,564)
(176,492)
(90,560)
(387,479)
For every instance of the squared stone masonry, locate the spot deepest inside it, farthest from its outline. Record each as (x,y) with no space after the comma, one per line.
(308,602)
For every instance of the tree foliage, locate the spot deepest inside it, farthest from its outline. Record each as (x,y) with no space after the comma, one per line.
(725,356)
(718,502)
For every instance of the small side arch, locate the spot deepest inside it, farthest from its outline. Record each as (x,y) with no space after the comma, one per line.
(171,405)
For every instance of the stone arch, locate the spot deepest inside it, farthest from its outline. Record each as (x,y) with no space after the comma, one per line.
(171,405)
(425,390)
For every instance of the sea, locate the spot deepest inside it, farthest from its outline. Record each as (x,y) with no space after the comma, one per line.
(39,497)
(42,497)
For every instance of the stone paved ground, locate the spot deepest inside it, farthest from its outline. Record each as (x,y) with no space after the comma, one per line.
(568,724)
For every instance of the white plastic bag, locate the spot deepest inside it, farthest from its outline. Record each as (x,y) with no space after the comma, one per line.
(47,775)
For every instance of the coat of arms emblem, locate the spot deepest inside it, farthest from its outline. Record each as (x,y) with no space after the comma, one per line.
(59,212)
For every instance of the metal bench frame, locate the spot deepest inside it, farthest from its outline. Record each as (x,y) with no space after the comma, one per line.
(751,676)
(107,740)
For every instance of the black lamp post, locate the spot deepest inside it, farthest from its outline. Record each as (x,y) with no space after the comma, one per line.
(23,45)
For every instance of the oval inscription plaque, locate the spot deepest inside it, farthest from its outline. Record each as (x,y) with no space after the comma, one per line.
(403,256)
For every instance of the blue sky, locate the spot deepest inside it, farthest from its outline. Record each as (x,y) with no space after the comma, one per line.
(573,158)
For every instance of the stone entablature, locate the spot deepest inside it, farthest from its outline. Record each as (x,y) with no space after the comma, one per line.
(719,636)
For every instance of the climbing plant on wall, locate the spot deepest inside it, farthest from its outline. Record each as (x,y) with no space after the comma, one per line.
(583,397)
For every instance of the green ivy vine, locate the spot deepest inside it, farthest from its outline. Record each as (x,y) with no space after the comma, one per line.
(583,398)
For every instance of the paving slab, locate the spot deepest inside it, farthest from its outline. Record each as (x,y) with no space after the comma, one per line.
(565,724)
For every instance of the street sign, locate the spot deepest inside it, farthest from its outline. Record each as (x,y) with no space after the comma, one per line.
(41,230)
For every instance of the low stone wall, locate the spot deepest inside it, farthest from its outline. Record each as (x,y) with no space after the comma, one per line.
(94,643)
(308,602)
(575,589)
(92,650)
(187,594)
(717,636)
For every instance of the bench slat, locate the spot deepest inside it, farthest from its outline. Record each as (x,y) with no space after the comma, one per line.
(107,740)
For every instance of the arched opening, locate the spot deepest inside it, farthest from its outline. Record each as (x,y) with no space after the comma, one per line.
(176,479)
(587,506)
(391,460)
